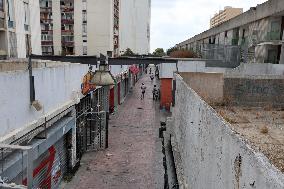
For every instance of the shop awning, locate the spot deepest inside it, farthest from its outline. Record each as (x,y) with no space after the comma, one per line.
(134,69)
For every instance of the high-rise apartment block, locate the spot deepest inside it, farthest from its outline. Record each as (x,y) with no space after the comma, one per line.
(91,27)
(224,15)
(19,28)
(73,27)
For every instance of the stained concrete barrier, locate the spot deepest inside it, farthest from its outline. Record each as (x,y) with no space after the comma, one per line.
(208,85)
(255,90)
(208,154)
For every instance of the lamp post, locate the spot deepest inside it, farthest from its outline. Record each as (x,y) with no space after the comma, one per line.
(103,76)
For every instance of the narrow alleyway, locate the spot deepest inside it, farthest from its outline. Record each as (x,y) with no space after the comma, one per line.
(134,157)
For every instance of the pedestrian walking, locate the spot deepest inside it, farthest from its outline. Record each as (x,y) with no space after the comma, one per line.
(154,91)
(152,77)
(150,71)
(143,90)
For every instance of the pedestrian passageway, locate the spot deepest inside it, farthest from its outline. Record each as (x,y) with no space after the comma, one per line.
(134,158)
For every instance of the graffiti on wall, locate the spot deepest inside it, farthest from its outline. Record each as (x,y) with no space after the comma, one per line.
(254,88)
(52,172)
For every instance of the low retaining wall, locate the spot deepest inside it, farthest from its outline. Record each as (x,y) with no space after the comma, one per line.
(209,154)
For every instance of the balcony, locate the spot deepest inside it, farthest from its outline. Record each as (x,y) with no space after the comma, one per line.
(11,24)
(67,43)
(67,21)
(67,9)
(45,9)
(67,32)
(50,32)
(235,41)
(2,24)
(244,41)
(273,36)
(46,43)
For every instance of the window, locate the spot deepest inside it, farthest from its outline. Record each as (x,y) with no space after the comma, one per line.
(1,5)
(226,33)
(84,16)
(27,17)
(85,50)
(11,13)
(84,28)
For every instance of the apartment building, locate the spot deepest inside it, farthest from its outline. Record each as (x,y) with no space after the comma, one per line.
(19,28)
(257,32)
(135,24)
(80,27)
(224,15)
(91,27)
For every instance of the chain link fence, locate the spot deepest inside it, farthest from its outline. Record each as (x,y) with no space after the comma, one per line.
(227,55)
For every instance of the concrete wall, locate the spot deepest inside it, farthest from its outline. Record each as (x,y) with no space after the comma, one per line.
(78,28)
(208,85)
(209,154)
(56,88)
(100,26)
(187,65)
(34,27)
(255,90)
(257,69)
(56,16)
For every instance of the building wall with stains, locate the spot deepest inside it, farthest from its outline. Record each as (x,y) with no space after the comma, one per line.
(209,154)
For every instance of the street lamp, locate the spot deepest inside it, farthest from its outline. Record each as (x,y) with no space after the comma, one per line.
(103,76)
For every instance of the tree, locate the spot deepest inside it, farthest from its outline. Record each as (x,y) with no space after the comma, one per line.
(172,49)
(128,52)
(159,52)
(183,54)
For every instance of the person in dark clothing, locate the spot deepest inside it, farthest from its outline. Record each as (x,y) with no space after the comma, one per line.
(143,90)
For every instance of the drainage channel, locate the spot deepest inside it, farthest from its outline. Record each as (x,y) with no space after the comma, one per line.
(170,176)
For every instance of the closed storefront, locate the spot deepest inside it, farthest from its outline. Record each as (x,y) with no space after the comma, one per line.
(51,156)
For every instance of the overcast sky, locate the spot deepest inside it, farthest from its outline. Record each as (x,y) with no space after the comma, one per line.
(174,21)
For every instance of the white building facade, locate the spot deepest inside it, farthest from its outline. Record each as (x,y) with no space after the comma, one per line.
(135,20)
(19,28)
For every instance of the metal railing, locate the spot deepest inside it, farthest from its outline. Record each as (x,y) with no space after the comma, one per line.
(235,41)
(273,35)
(227,55)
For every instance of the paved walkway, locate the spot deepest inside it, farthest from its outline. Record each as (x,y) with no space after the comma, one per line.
(134,157)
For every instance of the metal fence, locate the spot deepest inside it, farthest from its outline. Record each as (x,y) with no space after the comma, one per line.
(227,55)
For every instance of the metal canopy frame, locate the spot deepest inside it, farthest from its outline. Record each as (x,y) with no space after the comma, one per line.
(93,60)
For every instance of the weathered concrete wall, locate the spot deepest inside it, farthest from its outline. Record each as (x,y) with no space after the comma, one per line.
(257,69)
(255,90)
(209,154)
(56,88)
(208,85)
(188,65)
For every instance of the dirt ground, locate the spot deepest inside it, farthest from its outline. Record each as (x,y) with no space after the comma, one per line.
(263,127)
